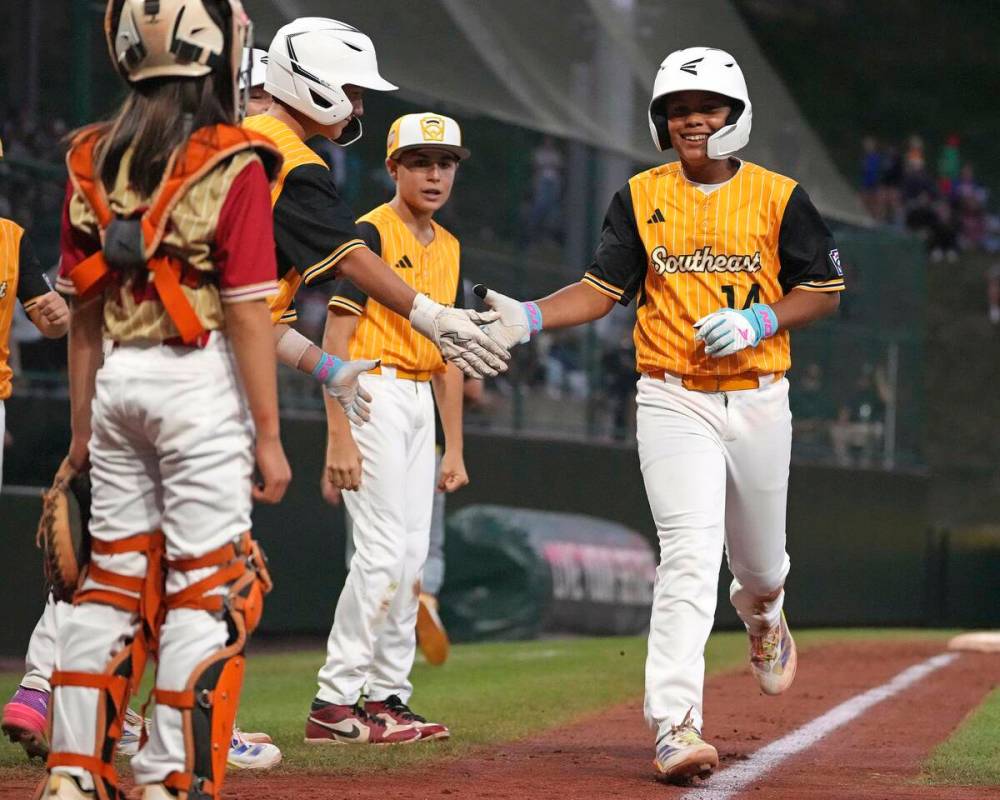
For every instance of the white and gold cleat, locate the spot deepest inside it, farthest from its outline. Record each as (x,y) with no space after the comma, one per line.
(773,658)
(682,754)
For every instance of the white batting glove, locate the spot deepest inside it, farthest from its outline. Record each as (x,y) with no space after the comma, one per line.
(457,335)
(727,331)
(517,322)
(340,380)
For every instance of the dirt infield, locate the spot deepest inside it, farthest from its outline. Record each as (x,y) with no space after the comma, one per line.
(878,755)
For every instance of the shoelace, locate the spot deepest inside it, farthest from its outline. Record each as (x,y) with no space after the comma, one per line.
(367,718)
(685,732)
(767,645)
(397,706)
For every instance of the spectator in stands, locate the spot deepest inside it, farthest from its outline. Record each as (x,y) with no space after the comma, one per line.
(858,434)
(993,292)
(618,373)
(545,206)
(813,407)
(871,176)
(932,223)
(949,164)
(891,186)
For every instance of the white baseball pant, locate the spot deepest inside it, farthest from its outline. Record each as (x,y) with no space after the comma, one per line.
(40,659)
(373,639)
(171,449)
(715,466)
(432,578)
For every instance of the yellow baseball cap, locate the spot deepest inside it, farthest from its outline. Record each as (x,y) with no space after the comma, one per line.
(412,131)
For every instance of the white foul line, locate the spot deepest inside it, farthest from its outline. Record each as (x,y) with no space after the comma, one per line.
(737,777)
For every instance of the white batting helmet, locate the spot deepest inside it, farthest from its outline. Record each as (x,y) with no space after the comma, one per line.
(310,61)
(707,69)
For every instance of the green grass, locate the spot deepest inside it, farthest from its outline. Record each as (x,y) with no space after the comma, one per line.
(485,693)
(972,755)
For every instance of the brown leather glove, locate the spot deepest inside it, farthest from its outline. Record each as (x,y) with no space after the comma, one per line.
(63,530)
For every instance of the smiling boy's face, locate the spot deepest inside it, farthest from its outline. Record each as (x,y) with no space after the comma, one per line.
(424,177)
(693,116)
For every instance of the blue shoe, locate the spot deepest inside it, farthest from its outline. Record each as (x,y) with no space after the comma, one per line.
(244,754)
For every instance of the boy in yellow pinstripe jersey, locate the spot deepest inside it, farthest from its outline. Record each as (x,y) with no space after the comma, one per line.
(23,280)
(723,258)
(391,467)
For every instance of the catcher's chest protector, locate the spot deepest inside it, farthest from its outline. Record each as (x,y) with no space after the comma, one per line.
(135,242)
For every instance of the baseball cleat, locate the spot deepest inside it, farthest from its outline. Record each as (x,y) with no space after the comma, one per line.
(432,638)
(329,723)
(64,787)
(392,710)
(681,753)
(24,721)
(244,754)
(773,658)
(256,737)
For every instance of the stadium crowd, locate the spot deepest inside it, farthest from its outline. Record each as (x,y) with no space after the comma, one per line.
(946,206)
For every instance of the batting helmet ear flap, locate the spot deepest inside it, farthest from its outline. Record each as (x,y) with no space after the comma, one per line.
(658,123)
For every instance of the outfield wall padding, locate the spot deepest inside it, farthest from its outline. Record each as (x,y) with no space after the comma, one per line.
(858,540)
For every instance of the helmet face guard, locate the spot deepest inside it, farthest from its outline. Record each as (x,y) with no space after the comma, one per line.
(176,39)
(704,69)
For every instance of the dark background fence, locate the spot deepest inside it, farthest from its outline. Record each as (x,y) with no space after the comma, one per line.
(863,548)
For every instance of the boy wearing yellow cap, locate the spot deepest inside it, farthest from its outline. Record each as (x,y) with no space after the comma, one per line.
(388,465)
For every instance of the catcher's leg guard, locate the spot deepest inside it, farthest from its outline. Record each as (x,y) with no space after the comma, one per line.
(210,700)
(139,595)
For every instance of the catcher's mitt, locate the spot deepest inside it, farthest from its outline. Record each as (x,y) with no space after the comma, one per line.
(63,530)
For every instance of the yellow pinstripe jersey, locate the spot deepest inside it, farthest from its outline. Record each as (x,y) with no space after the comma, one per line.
(21,279)
(313,227)
(433,270)
(688,252)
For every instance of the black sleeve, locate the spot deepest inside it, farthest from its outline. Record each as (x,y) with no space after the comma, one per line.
(346,295)
(313,227)
(32,281)
(620,261)
(806,249)
(460,301)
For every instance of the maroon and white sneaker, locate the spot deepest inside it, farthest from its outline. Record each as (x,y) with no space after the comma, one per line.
(329,723)
(394,710)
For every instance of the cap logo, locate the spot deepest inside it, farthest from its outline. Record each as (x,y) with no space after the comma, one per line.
(432,129)
(691,67)
(391,139)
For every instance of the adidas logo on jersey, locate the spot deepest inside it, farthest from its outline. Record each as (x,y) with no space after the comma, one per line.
(404,263)
(3,290)
(702,260)
(656,217)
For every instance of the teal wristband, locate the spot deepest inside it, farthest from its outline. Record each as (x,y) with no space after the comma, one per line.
(326,367)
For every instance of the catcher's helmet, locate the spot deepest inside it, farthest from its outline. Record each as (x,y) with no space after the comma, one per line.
(310,61)
(175,38)
(710,70)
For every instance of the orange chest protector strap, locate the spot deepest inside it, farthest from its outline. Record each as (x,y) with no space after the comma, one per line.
(129,244)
